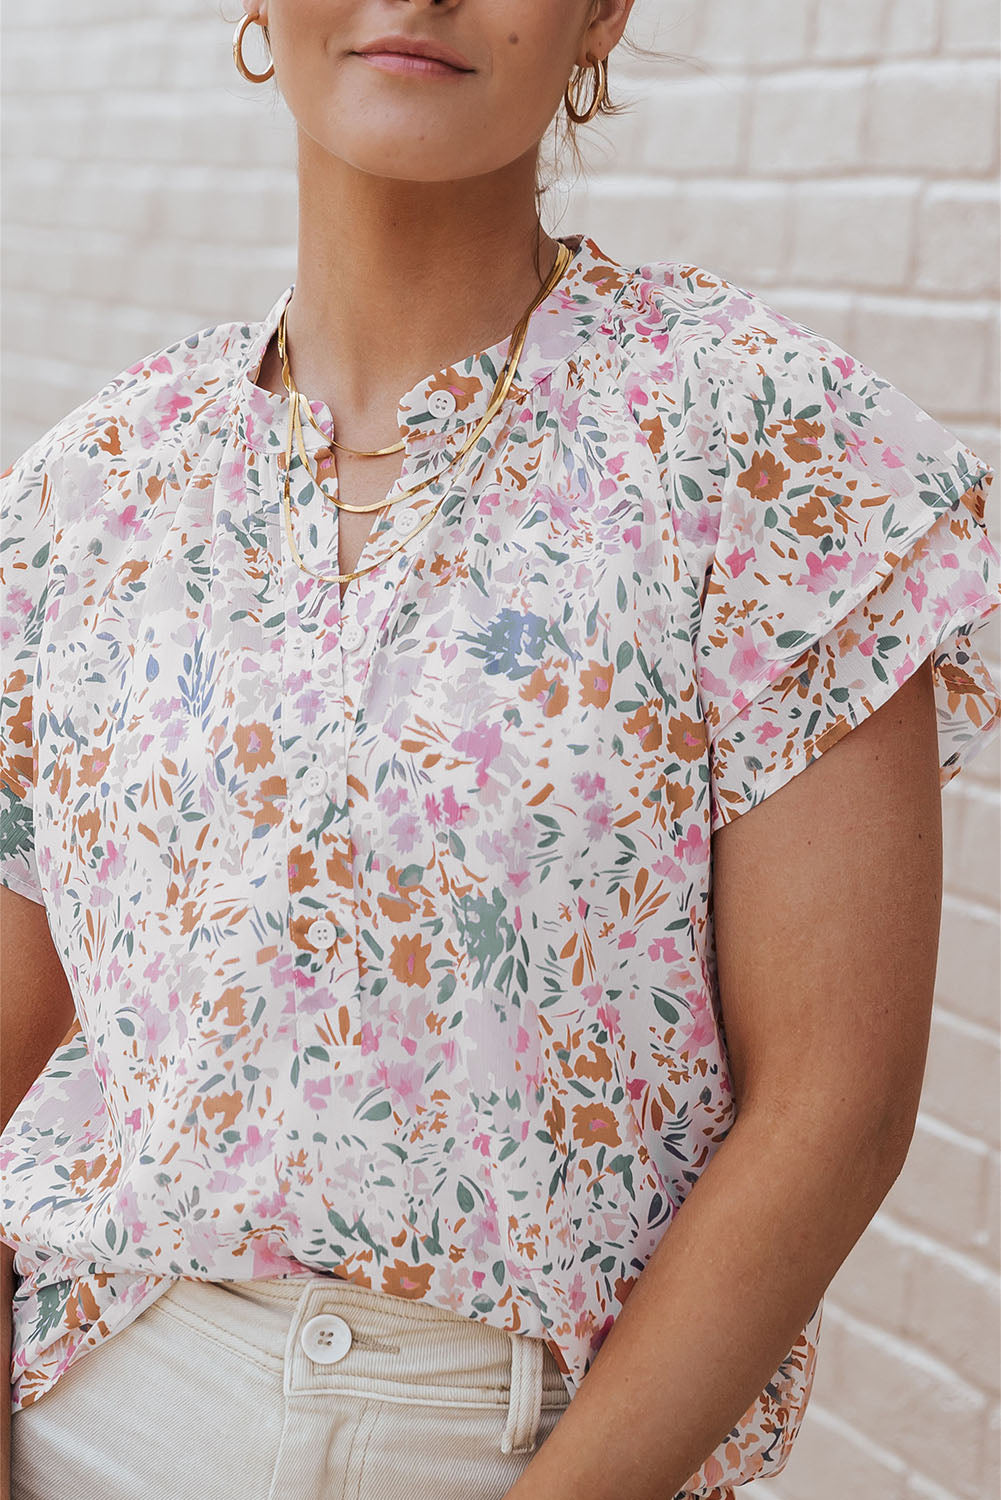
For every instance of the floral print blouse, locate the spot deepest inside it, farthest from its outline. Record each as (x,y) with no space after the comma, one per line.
(388,923)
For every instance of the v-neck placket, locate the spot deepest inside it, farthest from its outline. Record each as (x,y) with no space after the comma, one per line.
(330,645)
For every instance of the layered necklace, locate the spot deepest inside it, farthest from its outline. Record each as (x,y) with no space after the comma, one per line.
(498,396)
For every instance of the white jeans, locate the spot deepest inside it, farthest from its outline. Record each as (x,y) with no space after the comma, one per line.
(232,1391)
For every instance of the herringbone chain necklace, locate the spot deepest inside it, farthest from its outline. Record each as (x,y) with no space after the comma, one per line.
(498,396)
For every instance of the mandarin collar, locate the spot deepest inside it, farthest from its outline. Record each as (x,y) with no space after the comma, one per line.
(567,316)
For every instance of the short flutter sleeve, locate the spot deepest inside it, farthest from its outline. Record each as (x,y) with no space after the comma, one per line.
(25,535)
(848,545)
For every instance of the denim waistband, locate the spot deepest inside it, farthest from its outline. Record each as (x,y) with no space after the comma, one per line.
(411,1346)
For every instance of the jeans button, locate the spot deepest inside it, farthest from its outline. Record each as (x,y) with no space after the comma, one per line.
(325,1339)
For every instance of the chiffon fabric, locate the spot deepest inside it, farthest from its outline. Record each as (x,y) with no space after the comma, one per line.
(388,920)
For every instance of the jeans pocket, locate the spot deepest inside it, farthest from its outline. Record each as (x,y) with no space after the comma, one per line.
(206,1311)
(417,1452)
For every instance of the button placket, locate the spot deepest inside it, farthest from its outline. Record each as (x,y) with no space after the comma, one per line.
(441,403)
(406,519)
(352,635)
(396,538)
(322,931)
(330,936)
(378,589)
(298,650)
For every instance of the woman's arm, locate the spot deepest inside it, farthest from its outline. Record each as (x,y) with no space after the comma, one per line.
(36,1011)
(827,901)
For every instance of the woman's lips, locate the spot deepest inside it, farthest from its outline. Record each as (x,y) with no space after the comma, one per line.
(403,62)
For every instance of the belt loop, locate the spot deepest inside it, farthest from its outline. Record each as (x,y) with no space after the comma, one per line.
(525,1400)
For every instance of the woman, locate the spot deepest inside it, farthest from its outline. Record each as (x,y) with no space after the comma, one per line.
(470,823)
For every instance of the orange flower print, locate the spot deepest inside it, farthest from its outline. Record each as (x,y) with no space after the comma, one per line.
(231,1007)
(301,868)
(595,1124)
(404,1280)
(686,737)
(679,795)
(645,722)
(339,867)
(606,280)
(808,519)
(88,829)
(623,1286)
(61,781)
(764,476)
(409,961)
(226,1106)
(398,907)
(270,813)
(958,683)
(358,1275)
(110,439)
(101,1169)
(17,726)
(595,1063)
(556,1119)
(596,683)
(975,499)
(254,746)
(654,429)
(93,767)
(551,692)
(82,1306)
(802,445)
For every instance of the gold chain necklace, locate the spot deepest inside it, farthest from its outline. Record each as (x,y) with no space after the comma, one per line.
(497,398)
(289,386)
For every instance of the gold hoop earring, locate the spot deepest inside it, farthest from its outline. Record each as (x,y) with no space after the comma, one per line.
(599,66)
(238,52)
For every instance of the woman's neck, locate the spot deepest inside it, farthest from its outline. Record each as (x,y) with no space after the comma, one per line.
(397,279)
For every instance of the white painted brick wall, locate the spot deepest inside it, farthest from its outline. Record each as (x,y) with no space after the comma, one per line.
(842,159)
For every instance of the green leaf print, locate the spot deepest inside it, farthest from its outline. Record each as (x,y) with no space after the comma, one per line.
(483,929)
(17,833)
(464,1197)
(51,1300)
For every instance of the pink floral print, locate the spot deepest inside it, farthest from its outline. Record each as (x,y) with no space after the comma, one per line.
(388,921)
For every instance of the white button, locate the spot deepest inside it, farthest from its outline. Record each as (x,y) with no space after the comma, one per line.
(352,635)
(325,1339)
(315,781)
(441,403)
(322,933)
(405,521)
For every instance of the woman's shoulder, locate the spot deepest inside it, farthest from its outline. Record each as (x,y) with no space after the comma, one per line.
(148,404)
(746,381)
(695,319)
